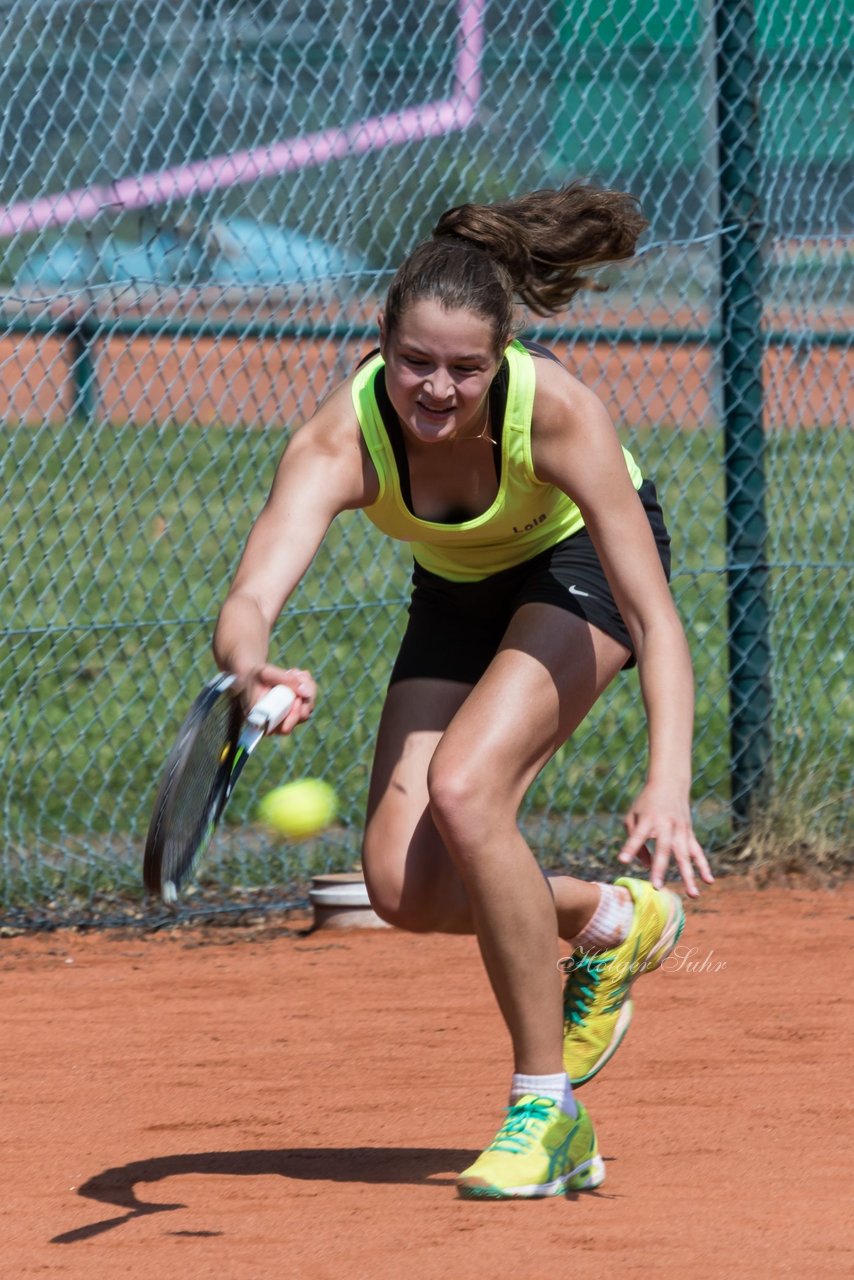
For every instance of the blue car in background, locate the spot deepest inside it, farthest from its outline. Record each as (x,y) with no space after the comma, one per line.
(234,251)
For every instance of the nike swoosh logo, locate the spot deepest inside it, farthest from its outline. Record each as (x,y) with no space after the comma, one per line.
(574,591)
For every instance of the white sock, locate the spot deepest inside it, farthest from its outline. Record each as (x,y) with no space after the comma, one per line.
(610,923)
(556,1087)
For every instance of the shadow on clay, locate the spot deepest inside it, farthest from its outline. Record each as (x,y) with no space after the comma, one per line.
(342,1164)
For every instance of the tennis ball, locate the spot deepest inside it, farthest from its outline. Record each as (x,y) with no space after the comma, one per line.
(299,809)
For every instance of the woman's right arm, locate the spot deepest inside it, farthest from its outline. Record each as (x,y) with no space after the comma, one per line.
(324,470)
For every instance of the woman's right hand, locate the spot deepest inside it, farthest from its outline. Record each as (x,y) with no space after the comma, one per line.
(254,685)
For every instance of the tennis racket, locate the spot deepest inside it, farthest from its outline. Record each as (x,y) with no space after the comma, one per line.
(212,746)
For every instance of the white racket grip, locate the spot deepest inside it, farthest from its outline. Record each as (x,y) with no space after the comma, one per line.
(272,708)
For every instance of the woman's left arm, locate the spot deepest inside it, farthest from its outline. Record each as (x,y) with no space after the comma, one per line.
(576,448)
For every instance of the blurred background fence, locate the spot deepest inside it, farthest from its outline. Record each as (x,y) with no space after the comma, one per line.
(200,205)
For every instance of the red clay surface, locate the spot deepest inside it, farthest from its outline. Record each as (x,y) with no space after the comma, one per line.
(236,381)
(248,1104)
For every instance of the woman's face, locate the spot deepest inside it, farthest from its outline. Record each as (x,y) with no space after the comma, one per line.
(439,366)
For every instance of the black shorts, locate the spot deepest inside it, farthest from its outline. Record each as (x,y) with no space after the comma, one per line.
(455,628)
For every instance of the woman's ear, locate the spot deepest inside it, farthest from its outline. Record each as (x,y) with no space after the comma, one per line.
(383,333)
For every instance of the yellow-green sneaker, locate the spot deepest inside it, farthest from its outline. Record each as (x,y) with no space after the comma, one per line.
(596,1005)
(538,1151)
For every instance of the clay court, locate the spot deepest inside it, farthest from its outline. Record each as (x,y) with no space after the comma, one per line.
(263,1101)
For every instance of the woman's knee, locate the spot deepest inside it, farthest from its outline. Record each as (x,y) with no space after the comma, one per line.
(392,907)
(389,895)
(466,796)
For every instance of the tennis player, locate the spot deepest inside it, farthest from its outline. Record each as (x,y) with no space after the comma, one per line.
(541,563)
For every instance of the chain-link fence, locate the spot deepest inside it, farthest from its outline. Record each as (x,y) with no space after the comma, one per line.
(201,203)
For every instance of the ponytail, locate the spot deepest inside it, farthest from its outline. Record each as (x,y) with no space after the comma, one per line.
(546,239)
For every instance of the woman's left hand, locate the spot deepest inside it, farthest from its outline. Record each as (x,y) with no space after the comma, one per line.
(662,815)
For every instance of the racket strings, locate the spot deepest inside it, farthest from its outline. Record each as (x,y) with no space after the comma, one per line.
(198,789)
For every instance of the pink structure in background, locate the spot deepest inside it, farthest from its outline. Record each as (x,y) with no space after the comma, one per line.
(181,182)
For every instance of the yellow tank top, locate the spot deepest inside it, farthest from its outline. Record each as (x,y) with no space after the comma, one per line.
(526,517)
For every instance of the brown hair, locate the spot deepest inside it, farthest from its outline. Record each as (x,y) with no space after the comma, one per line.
(534,248)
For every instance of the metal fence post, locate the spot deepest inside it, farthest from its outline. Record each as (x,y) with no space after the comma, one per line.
(81,335)
(742,396)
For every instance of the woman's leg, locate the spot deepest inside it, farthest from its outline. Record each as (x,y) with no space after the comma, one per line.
(411,880)
(549,671)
